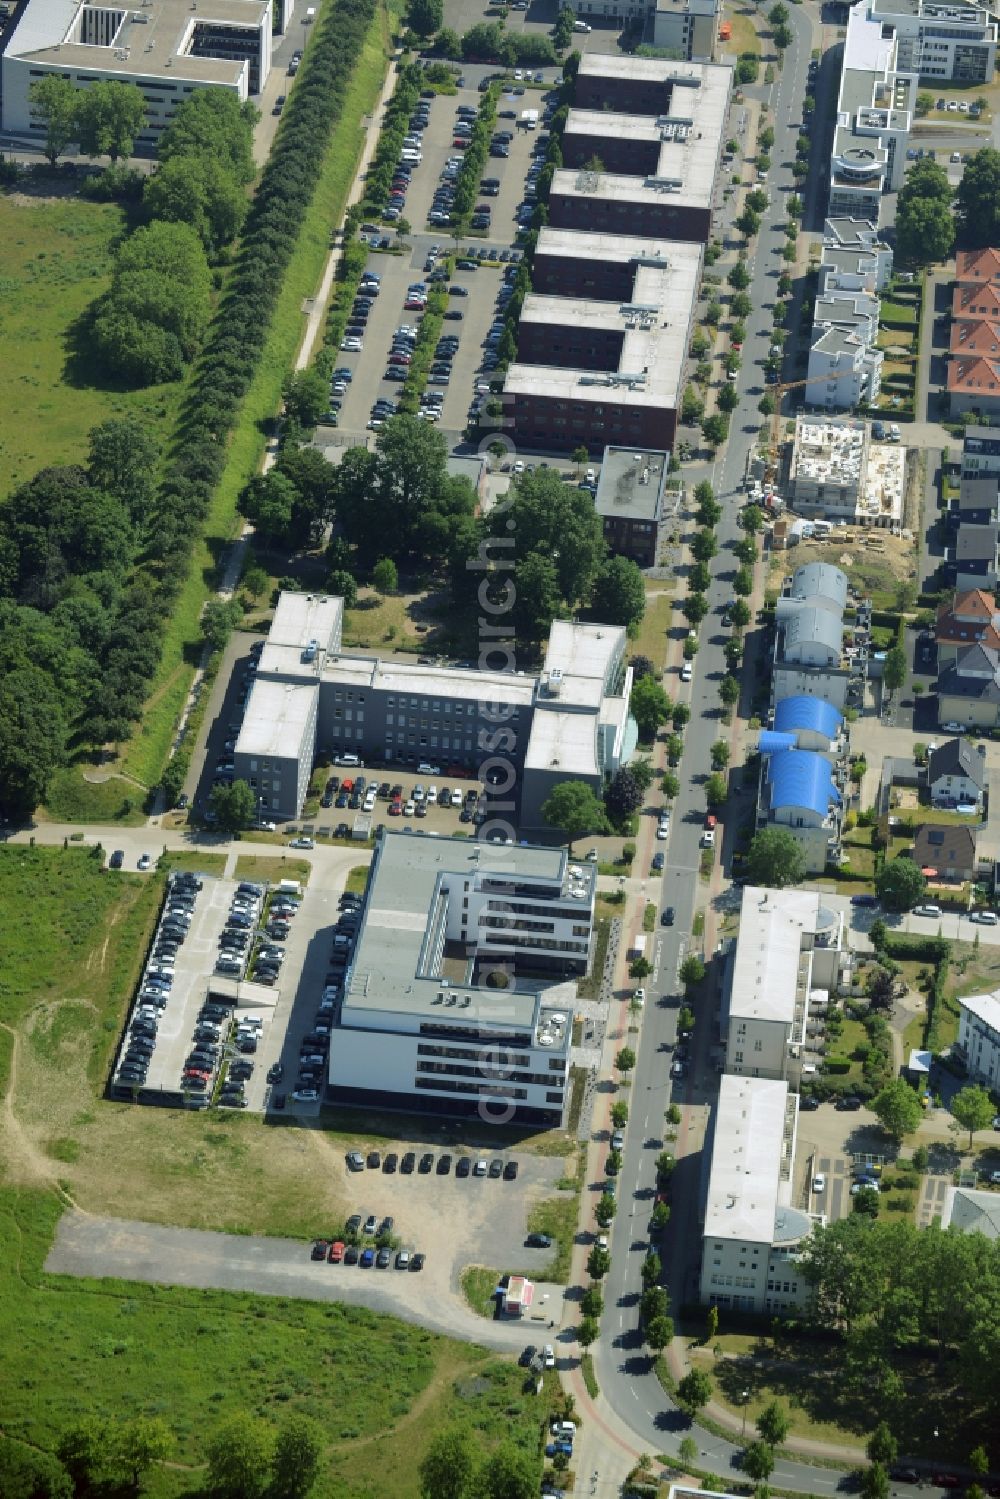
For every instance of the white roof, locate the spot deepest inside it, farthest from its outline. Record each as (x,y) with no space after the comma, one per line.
(747,1153)
(646,69)
(971,1211)
(773,924)
(985,1007)
(583,650)
(302,617)
(564,743)
(584,245)
(277,719)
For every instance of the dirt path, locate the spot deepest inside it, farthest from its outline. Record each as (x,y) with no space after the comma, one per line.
(23,1161)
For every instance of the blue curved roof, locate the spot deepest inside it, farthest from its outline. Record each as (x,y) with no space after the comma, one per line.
(771,741)
(801,778)
(804,712)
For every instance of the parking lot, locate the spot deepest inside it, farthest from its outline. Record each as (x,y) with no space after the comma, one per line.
(399,272)
(829,1142)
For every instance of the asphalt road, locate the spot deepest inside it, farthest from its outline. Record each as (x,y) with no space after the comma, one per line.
(623,1367)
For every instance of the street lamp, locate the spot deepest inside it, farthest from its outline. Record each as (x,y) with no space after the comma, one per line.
(745,1397)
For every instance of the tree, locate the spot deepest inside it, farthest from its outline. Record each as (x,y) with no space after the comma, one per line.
(385,576)
(716,790)
(425,16)
(556,519)
(758,1461)
(213,124)
(641,772)
(694,1391)
(29,1474)
(619,1113)
(704,545)
(573,807)
(268,503)
(739,276)
(592,1302)
(671,785)
(688,1450)
(649,706)
(305,395)
(715,430)
(235,806)
(729,692)
(709,511)
(925,224)
(605,1210)
(899,884)
(120,461)
(882,1446)
(695,608)
(536,598)
(979,1461)
(619,596)
(54,101)
(298,1451)
(109,117)
(739,613)
(743,582)
(659,1332)
(750,519)
(692,407)
(720,754)
(239,1459)
(508,1474)
(925,103)
(874,1482)
(897,1109)
(674,746)
(775,859)
(772,1423)
(447,1467)
(136,1446)
(977,204)
(201,191)
(342,582)
(653,1303)
(659,1217)
(218,620)
(625,1059)
(745,550)
(587,1332)
(32,738)
(973,1109)
(728,399)
(623,795)
(598,1262)
(894,671)
(691,971)
(641,667)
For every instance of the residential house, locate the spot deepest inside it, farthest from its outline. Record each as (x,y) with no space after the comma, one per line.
(975,336)
(968,690)
(975,300)
(978,267)
(810,656)
(956,774)
(949,850)
(974,385)
(798,792)
(977,503)
(980,452)
(975,558)
(972,618)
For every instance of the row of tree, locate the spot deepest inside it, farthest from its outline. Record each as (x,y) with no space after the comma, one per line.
(453,1468)
(103,119)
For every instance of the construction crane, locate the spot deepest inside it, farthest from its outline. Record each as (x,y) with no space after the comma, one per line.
(774,429)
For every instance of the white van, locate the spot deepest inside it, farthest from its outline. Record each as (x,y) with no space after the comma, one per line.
(984,918)
(580,26)
(310,15)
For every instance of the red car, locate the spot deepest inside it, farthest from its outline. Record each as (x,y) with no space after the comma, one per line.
(336,1252)
(710,819)
(413,304)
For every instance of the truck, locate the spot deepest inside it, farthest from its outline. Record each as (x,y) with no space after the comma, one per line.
(637,948)
(529,119)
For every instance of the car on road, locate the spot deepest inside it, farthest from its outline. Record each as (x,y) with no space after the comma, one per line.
(305,1095)
(336,1254)
(864,900)
(426,1163)
(367,1259)
(510,1171)
(320,1249)
(667,916)
(444,1165)
(677,1069)
(548,1356)
(707,839)
(301,843)
(528,1356)
(687,672)
(927,909)
(639,997)
(657,864)
(618,1140)
(848,1104)
(819,1182)
(117,859)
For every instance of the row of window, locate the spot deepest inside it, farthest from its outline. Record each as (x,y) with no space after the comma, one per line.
(559,913)
(473,1033)
(498,939)
(443,1085)
(454,1069)
(424,1050)
(446,741)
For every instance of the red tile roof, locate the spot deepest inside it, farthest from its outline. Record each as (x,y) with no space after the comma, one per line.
(974,376)
(975,336)
(979,266)
(976,300)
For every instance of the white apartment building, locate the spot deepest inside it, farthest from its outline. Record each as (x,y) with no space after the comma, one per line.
(788,959)
(810,657)
(979,1037)
(459,995)
(845,366)
(752,1235)
(168,48)
(941,40)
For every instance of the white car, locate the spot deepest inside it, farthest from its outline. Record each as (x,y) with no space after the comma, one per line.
(301,843)
(305,1095)
(687,672)
(592,856)
(266,827)
(819,1183)
(409,808)
(865,1186)
(548,1356)
(663,829)
(456,798)
(351,345)
(995,1178)
(145,862)
(708,838)
(519,466)
(432,795)
(639,998)
(418,792)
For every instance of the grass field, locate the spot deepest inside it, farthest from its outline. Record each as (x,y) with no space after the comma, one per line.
(56,261)
(260,867)
(194,859)
(71,1348)
(145,755)
(651,639)
(72,799)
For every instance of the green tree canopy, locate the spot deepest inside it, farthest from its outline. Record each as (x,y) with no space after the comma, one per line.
(109,117)
(54,101)
(200,191)
(973,1109)
(212,123)
(298,1451)
(925,224)
(425,16)
(385,575)
(235,806)
(882,1447)
(239,1455)
(268,503)
(573,807)
(448,1465)
(899,884)
(26,1473)
(694,1391)
(649,706)
(775,859)
(977,201)
(773,1424)
(619,596)
(758,1461)
(897,1109)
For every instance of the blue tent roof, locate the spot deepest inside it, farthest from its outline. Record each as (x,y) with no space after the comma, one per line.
(801,778)
(803,712)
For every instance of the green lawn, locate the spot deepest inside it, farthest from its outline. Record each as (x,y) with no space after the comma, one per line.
(651,638)
(56,261)
(70,798)
(73,1348)
(144,757)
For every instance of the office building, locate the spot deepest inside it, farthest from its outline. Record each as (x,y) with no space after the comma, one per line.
(626,84)
(941,41)
(686,28)
(310,698)
(752,1234)
(596,371)
(168,48)
(458,998)
(788,959)
(978,1044)
(630,500)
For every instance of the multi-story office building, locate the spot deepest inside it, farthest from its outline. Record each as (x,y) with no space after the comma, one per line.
(168,48)
(626,84)
(458,998)
(978,1042)
(941,40)
(788,959)
(630,500)
(594,371)
(687,28)
(571,721)
(752,1234)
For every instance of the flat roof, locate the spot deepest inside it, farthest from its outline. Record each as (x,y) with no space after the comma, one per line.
(583,650)
(773,924)
(563,741)
(747,1154)
(303,617)
(408,873)
(647,69)
(277,718)
(621,249)
(631,483)
(985,1007)
(151,38)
